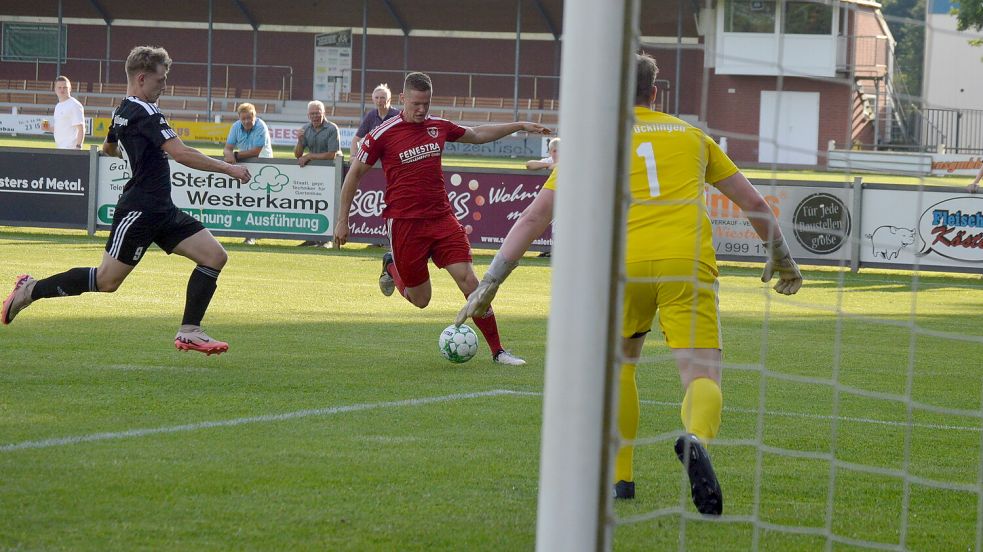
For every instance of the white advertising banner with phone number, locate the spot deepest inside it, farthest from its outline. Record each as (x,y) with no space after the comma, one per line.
(32,124)
(816,222)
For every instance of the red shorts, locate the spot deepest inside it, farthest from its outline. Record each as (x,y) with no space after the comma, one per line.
(414,241)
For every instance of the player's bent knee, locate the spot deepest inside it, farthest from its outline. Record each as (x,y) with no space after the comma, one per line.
(219,259)
(109,285)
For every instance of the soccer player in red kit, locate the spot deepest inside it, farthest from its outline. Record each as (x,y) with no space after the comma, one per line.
(420,220)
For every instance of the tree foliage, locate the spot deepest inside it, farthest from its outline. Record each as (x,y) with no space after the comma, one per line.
(909,53)
(969,15)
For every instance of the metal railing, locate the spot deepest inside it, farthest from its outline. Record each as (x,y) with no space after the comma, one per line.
(951,130)
(272,77)
(862,54)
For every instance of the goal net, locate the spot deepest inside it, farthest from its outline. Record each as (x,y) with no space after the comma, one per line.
(852,410)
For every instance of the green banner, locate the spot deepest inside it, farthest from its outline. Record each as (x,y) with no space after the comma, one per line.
(33,41)
(251,221)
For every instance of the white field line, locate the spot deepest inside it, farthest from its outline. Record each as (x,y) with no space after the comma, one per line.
(328,411)
(804,415)
(874,421)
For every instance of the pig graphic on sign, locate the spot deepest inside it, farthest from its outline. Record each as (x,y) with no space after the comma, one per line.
(888,241)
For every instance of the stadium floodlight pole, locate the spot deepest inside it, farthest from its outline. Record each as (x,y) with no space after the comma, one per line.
(596,93)
(208,76)
(518,59)
(58,43)
(365,36)
(679,58)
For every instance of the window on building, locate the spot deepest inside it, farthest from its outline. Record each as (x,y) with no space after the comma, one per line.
(808,18)
(749,16)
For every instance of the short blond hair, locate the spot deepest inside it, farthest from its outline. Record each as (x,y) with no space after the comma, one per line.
(553,144)
(385,88)
(246,107)
(646,71)
(145,59)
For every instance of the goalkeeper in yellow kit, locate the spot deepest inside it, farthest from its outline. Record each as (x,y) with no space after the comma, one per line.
(671,268)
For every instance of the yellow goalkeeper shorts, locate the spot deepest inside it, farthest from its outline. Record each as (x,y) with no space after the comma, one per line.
(683,292)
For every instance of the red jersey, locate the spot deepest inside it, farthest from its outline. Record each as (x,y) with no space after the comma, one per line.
(410,154)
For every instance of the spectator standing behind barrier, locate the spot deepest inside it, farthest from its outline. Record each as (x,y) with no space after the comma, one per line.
(382,98)
(553,149)
(320,138)
(249,137)
(69,126)
(975,186)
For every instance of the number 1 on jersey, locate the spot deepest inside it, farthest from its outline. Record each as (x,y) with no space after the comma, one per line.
(645,151)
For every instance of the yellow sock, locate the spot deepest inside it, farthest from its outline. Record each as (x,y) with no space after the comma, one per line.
(628,416)
(701,408)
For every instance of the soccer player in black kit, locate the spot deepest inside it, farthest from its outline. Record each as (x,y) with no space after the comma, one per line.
(145,213)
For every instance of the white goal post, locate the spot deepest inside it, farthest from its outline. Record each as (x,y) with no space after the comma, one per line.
(596,98)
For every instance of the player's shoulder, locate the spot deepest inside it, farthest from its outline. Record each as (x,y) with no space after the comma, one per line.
(650,116)
(134,108)
(440,120)
(380,130)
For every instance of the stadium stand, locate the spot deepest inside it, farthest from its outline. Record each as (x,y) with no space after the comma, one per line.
(190,103)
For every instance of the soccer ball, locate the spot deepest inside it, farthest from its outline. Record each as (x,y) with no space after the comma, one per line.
(458,343)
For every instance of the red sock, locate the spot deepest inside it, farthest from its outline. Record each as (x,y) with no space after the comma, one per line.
(391,269)
(489,329)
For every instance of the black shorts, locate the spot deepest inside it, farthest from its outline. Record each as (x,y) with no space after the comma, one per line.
(133,231)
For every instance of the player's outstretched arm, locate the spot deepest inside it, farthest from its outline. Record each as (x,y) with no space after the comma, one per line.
(737,188)
(190,157)
(975,186)
(489,133)
(530,226)
(348,188)
(536,164)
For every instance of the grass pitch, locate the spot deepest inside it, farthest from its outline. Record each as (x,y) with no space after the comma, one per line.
(334,424)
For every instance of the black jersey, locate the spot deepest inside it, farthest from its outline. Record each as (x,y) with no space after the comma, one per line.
(140,129)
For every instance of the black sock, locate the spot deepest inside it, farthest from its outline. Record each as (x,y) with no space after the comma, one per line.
(201,287)
(73,282)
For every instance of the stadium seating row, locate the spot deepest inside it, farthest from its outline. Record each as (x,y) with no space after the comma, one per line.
(82,87)
(48,100)
(186,103)
(174,90)
(469,102)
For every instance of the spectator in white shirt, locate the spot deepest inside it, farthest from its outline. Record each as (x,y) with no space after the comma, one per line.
(547,162)
(69,128)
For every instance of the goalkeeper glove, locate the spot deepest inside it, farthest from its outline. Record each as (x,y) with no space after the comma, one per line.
(480,299)
(780,261)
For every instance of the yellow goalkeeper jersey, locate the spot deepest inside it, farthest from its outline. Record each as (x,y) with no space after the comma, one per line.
(671,160)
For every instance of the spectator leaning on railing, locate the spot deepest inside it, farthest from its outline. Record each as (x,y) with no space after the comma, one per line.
(975,186)
(249,137)
(320,138)
(551,159)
